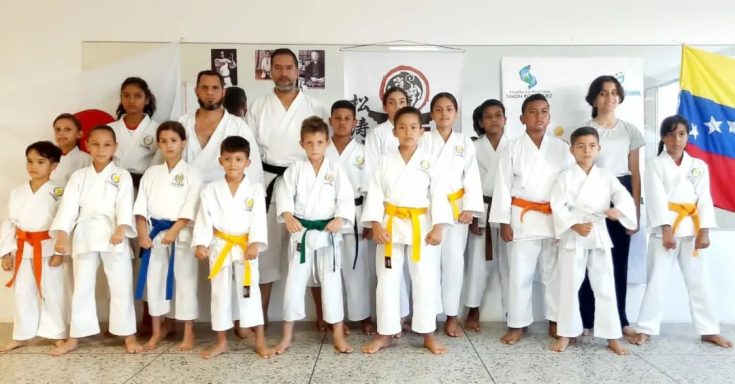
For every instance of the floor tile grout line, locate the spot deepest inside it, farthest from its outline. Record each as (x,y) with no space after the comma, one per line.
(159,354)
(655,367)
(319,353)
(478,356)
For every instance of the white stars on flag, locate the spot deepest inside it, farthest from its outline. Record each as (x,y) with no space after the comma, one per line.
(731,126)
(713,125)
(694,131)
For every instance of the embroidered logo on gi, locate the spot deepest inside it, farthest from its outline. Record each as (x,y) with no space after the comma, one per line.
(147,142)
(249,203)
(329,178)
(178,180)
(359,161)
(425,164)
(694,175)
(57,192)
(459,150)
(696,172)
(558,131)
(115,180)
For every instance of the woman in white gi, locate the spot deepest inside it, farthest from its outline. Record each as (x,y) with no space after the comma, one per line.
(27,249)
(680,213)
(95,219)
(164,211)
(454,154)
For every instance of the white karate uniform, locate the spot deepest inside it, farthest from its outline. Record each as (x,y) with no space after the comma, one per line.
(171,195)
(407,184)
(313,195)
(93,206)
(687,183)
(528,172)
(457,164)
(136,147)
(37,313)
(476,269)
(577,198)
(358,270)
(206,159)
(278,131)
(243,213)
(75,159)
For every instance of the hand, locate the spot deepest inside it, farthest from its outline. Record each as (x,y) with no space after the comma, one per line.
(631,232)
(668,237)
(380,235)
(465,217)
(61,245)
(506,232)
(702,240)
(367,233)
(201,252)
(252,252)
(292,225)
(56,260)
(118,236)
(614,214)
(7,263)
(434,237)
(145,241)
(335,225)
(475,227)
(582,229)
(169,237)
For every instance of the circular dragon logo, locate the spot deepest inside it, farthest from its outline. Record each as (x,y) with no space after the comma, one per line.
(410,80)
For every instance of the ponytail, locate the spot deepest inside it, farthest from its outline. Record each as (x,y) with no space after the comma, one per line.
(660,147)
(594,112)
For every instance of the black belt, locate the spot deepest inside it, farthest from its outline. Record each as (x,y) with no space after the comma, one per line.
(488,236)
(276,170)
(358,202)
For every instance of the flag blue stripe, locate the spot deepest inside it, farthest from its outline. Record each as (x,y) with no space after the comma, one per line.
(698,111)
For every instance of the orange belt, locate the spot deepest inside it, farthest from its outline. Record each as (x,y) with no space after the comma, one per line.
(453,198)
(526,206)
(34,239)
(404,213)
(682,211)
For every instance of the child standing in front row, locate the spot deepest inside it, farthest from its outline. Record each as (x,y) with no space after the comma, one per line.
(165,207)
(315,201)
(229,232)
(680,214)
(407,208)
(580,203)
(97,213)
(27,249)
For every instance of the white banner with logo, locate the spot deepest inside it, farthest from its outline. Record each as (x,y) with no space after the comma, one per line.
(565,81)
(422,74)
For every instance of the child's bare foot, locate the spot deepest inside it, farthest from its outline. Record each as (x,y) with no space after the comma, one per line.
(368,327)
(560,345)
(132,345)
(717,340)
(587,332)
(244,333)
(321,325)
(628,331)
(473,320)
(433,345)
(13,345)
(452,327)
(168,326)
(376,344)
(617,347)
(65,347)
(640,339)
(513,336)
(152,343)
(264,352)
(341,345)
(216,349)
(346,329)
(283,345)
(187,343)
(552,329)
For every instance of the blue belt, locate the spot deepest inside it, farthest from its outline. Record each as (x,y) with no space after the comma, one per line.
(157,226)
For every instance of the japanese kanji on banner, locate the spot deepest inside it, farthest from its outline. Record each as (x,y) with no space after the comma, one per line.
(368,74)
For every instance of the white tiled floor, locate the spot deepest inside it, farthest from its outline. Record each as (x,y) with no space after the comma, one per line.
(675,357)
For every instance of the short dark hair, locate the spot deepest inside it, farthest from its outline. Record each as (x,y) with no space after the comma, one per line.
(150,108)
(584,131)
(173,126)
(393,90)
(532,98)
(343,104)
(669,125)
(443,95)
(285,51)
(45,149)
(235,98)
(314,124)
(596,88)
(69,116)
(234,144)
(102,127)
(477,114)
(209,72)
(408,110)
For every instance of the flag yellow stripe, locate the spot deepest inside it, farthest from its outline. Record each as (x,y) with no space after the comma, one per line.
(708,75)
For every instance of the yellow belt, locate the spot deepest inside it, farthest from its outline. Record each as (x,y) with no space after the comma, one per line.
(682,211)
(230,241)
(453,197)
(404,213)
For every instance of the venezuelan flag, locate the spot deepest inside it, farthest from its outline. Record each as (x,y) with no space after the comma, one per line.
(707,100)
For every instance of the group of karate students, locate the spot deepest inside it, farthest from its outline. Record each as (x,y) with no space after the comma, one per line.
(407,224)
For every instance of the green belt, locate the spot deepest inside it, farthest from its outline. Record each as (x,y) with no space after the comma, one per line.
(313,225)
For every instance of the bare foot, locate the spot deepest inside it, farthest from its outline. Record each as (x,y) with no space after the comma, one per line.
(552,329)
(264,352)
(628,331)
(152,342)
(433,345)
(398,335)
(346,328)
(473,320)
(187,343)
(640,339)
(341,345)
(587,332)
(132,345)
(65,347)
(617,347)
(512,336)
(560,345)
(283,346)
(167,327)
(216,349)
(13,345)
(376,344)
(368,327)
(452,327)
(244,333)
(717,340)
(406,324)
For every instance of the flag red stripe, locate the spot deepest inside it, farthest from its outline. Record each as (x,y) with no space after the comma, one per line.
(722,176)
